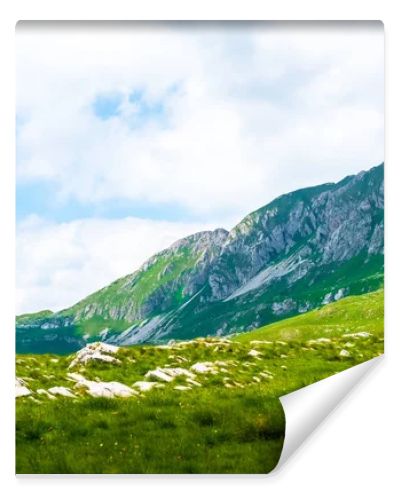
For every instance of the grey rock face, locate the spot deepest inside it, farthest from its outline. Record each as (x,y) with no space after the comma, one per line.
(328,224)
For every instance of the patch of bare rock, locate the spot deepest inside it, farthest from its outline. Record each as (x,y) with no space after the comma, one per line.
(96,351)
(99,389)
(21,389)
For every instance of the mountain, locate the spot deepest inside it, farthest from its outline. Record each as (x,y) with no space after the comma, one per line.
(305,248)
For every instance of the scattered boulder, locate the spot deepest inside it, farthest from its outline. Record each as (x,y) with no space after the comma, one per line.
(178,359)
(43,392)
(97,351)
(318,343)
(145,385)
(159,374)
(254,353)
(205,367)
(75,377)
(61,391)
(221,363)
(344,353)
(21,389)
(357,335)
(167,374)
(106,389)
(193,382)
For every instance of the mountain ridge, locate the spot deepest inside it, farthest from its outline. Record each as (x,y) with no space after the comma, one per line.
(304,248)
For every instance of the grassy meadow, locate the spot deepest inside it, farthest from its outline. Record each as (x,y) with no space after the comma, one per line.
(218,413)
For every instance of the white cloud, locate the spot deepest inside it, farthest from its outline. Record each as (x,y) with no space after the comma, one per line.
(59,264)
(257,113)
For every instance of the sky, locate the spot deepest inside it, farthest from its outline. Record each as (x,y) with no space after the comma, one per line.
(133,135)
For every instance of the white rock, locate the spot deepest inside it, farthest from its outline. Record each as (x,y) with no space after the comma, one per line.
(45,393)
(179,359)
(97,351)
(35,400)
(205,367)
(20,388)
(106,389)
(76,377)
(344,354)
(193,382)
(61,391)
(321,340)
(167,374)
(176,372)
(182,388)
(103,347)
(254,353)
(159,374)
(144,385)
(358,335)
(261,342)
(221,363)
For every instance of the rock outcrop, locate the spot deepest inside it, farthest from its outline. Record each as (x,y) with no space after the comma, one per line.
(97,351)
(21,389)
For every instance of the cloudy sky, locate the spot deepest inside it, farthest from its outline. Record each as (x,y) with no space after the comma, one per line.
(130,136)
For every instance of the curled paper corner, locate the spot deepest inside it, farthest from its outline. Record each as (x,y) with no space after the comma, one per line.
(308,407)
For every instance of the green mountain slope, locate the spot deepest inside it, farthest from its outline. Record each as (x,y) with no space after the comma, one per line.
(304,249)
(362,313)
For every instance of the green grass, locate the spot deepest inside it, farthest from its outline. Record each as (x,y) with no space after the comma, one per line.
(351,314)
(232,423)
(153,278)
(168,432)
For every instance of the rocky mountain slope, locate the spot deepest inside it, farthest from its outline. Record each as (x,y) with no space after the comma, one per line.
(304,249)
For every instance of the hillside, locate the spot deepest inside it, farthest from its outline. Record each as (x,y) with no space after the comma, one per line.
(352,314)
(304,249)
